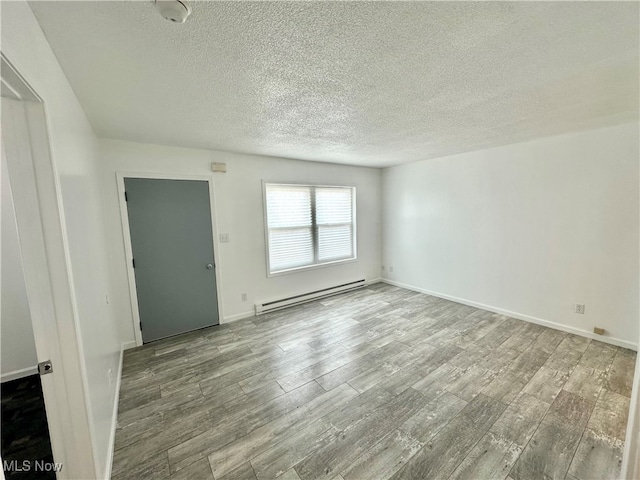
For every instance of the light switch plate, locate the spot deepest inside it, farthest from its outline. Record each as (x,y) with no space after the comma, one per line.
(224,238)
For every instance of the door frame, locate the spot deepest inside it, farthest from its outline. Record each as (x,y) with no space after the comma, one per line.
(631,453)
(47,270)
(128,250)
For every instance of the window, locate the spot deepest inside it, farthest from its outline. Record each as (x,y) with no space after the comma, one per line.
(308,225)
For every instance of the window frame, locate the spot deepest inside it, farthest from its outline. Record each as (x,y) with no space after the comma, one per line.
(314,227)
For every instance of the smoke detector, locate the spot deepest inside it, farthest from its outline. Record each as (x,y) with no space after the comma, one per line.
(175,11)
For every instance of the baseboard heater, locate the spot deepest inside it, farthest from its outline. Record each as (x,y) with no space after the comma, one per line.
(267,307)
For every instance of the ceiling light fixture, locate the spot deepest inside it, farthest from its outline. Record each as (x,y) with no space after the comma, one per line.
(175,11)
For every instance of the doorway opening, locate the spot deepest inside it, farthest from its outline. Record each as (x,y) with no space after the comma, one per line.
(35,193)
(25,433)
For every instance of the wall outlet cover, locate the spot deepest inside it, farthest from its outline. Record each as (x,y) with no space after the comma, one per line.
(580,308)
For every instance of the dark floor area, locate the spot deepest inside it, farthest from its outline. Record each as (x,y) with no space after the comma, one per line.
(25,434)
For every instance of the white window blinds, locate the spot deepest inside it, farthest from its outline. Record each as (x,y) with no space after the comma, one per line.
(334,223)
(308,225)
(290,227)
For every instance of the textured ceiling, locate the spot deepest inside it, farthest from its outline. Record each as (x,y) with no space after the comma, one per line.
(364,83)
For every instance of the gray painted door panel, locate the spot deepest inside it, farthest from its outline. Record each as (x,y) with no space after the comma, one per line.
(172,242)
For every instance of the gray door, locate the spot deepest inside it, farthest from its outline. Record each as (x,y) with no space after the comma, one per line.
(172,242)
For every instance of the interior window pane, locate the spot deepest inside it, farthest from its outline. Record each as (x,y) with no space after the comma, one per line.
(335,242)
(288,206)
(290,248)
(333,205)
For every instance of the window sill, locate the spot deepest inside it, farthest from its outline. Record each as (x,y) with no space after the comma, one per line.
(311,267)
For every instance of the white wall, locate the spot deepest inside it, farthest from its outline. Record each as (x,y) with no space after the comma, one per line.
(531,228)
(75,154)
(239,212)
(18,348)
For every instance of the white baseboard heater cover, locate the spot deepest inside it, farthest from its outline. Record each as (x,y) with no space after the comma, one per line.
(267,307)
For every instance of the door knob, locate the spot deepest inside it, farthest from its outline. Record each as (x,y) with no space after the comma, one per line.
(209,266)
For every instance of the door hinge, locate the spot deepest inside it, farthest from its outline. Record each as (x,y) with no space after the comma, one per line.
(45,367)
(133,262)
(126,197)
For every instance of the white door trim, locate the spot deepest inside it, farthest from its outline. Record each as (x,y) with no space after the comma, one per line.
(124,217)
(47,271)
(631,454)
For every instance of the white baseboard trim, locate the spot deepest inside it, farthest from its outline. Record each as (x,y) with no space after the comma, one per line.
(114,417)
(15,375)
(375,280)
(238,316)
(520,316)
(129,345)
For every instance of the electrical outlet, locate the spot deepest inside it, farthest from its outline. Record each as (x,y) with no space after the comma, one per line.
(383,268)
(390,269)
(224,238)
(244,297)
(580,308)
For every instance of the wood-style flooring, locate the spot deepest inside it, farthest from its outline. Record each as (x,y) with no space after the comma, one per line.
(374,384)
(25,432)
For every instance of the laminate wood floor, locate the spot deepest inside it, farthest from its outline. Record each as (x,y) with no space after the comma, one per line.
(374,384)
(25,432)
